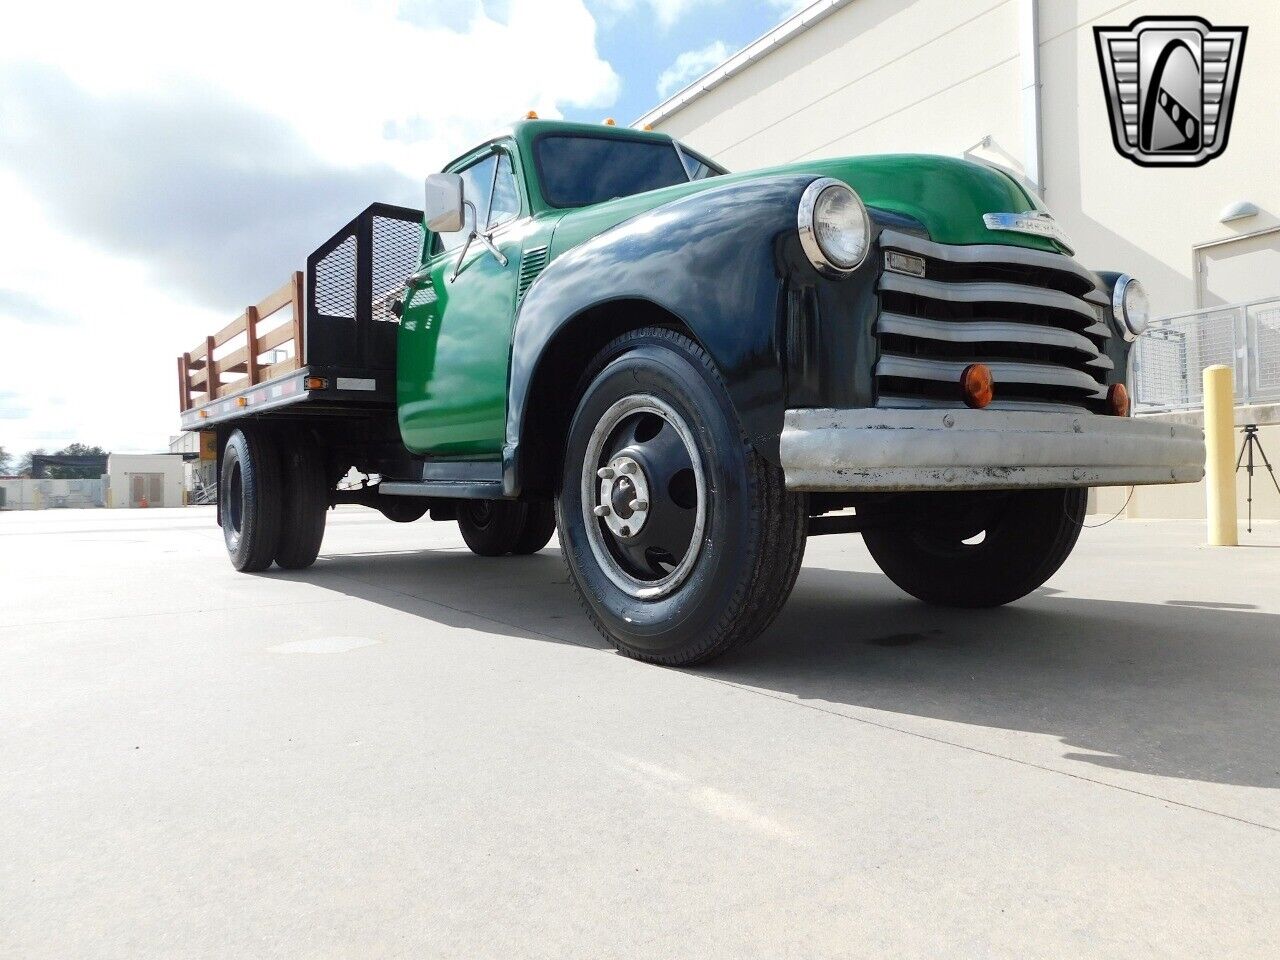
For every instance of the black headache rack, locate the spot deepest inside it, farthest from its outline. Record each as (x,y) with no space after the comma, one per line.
(321,345)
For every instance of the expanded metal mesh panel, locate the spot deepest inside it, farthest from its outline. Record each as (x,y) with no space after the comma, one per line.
(352,280)
(335,281)
(397,245)
(1264,350)
(1160,369)
(1172,355)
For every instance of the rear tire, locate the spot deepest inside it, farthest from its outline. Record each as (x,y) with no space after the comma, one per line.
(249,499)
(701,543)
(306,501)
(1026,537)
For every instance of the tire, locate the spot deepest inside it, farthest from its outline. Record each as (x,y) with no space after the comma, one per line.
(249,499)
(539,525)
(1027,536)
(702,543)
(305,503)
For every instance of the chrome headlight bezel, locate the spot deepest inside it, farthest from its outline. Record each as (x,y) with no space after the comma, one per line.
(821,259)
(1130,323)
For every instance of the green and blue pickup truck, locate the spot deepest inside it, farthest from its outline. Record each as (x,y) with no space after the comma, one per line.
(687,372)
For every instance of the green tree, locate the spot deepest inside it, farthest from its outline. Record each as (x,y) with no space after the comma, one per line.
(24,465)
(6,461)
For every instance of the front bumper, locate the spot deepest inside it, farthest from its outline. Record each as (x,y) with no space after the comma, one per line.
(881,450)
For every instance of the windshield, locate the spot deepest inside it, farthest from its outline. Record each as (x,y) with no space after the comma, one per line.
(577,171)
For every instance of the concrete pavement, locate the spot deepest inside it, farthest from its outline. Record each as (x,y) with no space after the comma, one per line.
(408,751)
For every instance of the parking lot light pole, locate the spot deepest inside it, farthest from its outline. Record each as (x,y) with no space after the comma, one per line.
(1219,472)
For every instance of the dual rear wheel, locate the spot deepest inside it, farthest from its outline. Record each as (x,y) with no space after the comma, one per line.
(272,499)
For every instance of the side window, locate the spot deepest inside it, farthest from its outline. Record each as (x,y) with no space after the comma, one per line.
(506,195)
(477,186)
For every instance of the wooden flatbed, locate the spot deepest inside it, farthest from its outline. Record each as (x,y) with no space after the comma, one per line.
(322,344)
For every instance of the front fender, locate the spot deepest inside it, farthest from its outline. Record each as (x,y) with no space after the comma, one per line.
(714,260)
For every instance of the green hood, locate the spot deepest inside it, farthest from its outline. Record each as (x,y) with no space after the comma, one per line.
(947,195)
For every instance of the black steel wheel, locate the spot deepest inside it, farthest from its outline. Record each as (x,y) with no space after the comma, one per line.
(984,553)
(680,538)
(249,496)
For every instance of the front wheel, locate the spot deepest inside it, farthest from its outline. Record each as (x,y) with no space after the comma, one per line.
(680,538)
(982,553)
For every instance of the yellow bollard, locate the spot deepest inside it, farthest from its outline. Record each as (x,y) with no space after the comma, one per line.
(1219,449)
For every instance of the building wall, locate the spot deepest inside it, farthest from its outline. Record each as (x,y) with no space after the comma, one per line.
(122,467)
(935,76)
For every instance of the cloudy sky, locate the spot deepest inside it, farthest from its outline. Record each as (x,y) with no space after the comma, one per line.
(164,163)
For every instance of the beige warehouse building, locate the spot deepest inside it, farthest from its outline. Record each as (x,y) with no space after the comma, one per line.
(1017,83)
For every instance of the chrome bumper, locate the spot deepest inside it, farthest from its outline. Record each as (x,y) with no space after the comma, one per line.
(877,450)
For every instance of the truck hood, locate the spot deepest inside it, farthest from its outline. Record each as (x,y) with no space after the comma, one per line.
(948,196)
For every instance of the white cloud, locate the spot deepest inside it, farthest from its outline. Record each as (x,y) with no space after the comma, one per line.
(156,157)
(666,12)
(690,65)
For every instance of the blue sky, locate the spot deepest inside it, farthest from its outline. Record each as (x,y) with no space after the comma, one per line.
(642,47)
(185,160)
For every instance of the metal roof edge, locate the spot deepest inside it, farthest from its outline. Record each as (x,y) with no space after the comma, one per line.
(790,28)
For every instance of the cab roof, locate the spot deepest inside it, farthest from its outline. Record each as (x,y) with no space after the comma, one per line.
(524,132)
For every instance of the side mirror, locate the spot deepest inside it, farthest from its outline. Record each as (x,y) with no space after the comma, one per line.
(445,212)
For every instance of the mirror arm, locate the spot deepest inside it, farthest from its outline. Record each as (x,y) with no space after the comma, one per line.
(484,238)
(492,248)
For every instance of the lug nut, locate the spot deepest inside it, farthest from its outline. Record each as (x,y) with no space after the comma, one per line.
(639,504)
(606,473)
(602,510)
(627,467)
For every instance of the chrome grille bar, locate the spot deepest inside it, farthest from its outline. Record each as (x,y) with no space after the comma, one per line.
(988,292)
(984,253)
(991,331)
(1004,372)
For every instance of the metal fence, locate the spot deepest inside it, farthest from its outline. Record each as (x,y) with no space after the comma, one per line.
(1171,354)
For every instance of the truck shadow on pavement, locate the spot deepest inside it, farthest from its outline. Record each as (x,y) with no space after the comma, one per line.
(1165,689)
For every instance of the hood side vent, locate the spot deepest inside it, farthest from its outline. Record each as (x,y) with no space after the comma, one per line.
(532,261)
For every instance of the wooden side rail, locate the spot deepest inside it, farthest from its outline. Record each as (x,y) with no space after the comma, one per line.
(200,372)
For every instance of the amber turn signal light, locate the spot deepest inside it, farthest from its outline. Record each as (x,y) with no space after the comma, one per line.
(977,385)
(1118,400)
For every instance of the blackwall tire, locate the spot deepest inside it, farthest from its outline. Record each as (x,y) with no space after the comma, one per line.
(305,501)
(1026,538)
(649,395)
(539,525)
(249,498)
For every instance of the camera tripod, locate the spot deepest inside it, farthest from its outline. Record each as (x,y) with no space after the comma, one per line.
(1251,442)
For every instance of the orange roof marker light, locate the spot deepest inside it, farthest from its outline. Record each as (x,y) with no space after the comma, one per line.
(648,126)
(531,115)
(978,385)
(610,122)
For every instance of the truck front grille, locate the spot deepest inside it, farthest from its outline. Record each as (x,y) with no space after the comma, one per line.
(1037,319)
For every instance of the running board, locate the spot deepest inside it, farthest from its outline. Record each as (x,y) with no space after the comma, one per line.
(444,489)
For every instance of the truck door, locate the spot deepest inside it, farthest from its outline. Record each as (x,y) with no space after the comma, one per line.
(455,334)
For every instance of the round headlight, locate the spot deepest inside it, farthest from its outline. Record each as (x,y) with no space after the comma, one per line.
(835,230)
(1130,306)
